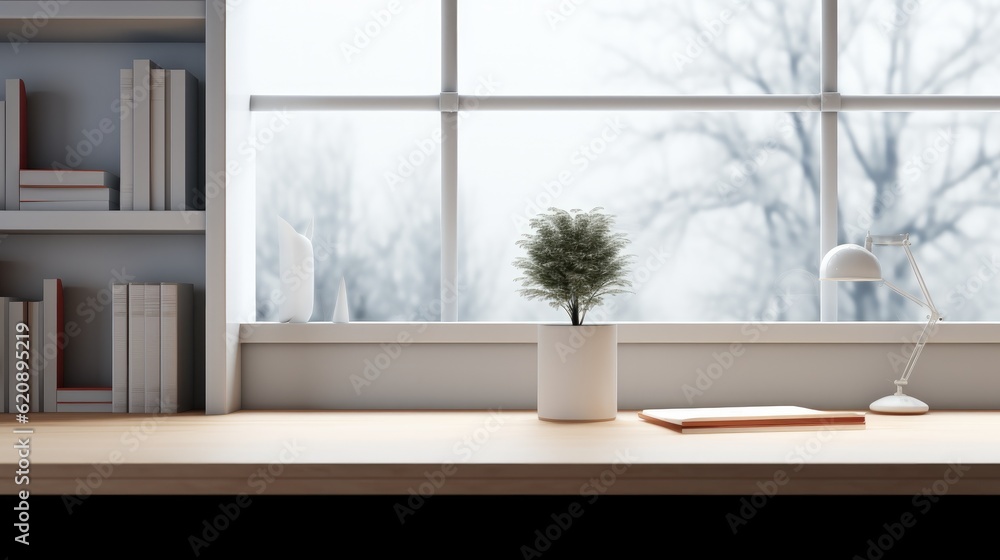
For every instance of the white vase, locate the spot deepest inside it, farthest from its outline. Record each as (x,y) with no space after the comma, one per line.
(577,372)
(341,314)
(296,271)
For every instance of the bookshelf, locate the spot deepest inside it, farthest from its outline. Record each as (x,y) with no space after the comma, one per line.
(70,66)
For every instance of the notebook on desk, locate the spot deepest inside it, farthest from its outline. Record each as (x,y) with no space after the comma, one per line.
(751,419)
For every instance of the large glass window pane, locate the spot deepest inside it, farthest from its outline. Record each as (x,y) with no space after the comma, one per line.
(311,47)
(919,46)
(370,182)
(934,176)
(640,47)
(721,209)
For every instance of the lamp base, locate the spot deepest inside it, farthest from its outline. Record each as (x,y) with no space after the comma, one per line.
(899,404)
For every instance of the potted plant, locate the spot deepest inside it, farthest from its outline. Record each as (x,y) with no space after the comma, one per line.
(573,261)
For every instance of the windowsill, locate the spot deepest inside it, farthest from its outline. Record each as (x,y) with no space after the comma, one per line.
(628,333)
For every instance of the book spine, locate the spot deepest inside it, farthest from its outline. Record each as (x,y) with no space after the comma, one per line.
(88,205)
(17,312)
(119,347)
(84,407)
(125,169)
(177,358)
(142,120)
(182,153)
(67,178)
(3,167)
(136,348)
(70,194)
(4,333)
(85,395)
(152,316)
(52,348)
(193,158)
(185,348)
(168,348)
(16,140)
(36,321)
(158,141)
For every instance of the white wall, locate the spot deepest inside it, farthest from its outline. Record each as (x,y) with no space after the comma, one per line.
(455,376)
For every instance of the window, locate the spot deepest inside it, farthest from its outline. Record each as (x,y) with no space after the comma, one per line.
(734,140)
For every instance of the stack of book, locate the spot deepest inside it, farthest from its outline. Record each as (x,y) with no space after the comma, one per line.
(31,357)
(55,189)
(68,190)
(159,140)
(84,399)
(152,347)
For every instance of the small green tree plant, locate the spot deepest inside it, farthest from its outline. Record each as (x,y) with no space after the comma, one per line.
(574,260)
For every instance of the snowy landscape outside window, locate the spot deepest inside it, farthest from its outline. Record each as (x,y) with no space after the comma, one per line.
(723,206)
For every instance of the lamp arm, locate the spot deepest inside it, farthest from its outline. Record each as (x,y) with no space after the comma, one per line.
(907,295)
(920,279)
(921,342)
(932,319)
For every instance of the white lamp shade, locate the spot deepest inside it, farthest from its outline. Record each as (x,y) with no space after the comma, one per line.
(850,263)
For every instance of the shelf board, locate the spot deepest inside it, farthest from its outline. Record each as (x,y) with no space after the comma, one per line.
(160,21)
(39,222)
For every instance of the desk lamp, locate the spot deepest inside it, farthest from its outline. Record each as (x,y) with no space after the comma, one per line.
(854,263)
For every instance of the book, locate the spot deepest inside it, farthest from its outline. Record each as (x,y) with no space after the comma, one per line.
(152,352)
(36,322)
(751,418)
(84,407)
(4,312)
(70,194)
(3,168)
(158,141)
(53,337)
(177,347)
(119,347)
(136,347)
(16,139)
(90,205)
(17,350)
(182,139)
(70,178)
(85,395)
(125,118)
(142,120)
(6,333)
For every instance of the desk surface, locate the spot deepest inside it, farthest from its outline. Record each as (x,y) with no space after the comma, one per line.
(493,453)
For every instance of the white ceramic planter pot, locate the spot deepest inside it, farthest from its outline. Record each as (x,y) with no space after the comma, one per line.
(577,372)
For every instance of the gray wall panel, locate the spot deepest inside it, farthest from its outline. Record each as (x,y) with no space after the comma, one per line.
(448,376)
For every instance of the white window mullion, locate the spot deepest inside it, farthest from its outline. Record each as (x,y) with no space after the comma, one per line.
(828,157)
(344,102)
(920,103)
(449,164)
(766,102)
(681,103)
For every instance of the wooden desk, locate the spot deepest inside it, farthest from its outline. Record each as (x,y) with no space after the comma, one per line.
(494,453)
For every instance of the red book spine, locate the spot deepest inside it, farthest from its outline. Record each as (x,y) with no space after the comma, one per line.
(23,94)
(60,333)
